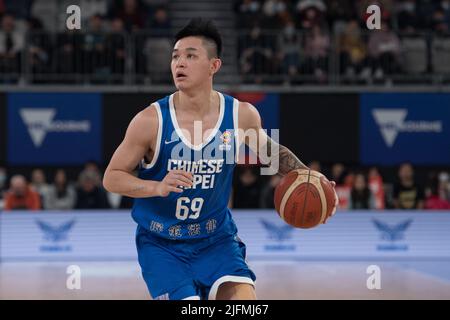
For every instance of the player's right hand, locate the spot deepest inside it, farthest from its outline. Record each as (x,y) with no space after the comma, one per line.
(172,182)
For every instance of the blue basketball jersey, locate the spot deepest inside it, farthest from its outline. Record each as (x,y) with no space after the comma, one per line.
(201,210)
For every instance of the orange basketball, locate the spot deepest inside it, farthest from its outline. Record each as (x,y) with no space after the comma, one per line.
(304,198)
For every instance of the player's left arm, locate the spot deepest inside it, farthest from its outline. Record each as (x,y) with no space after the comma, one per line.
(249,119)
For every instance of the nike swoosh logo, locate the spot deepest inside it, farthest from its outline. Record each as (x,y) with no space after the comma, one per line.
(167,142)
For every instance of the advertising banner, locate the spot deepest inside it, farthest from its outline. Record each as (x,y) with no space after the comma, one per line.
(399,127)
(106,235)
(54,128)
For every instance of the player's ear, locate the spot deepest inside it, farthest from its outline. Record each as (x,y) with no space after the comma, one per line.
(215,65)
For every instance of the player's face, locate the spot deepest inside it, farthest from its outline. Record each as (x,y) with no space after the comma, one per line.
(191,66)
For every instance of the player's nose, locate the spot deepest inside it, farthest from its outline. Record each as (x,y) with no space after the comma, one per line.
(181,62)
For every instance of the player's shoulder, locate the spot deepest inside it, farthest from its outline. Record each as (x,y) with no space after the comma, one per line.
(246,107)
(146,120)
(149,114)
(248,115)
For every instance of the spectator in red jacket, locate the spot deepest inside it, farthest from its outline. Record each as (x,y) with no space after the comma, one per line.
(20,196)
(377,188)
(436,199)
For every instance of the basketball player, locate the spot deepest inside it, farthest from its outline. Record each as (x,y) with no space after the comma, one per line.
(186,239)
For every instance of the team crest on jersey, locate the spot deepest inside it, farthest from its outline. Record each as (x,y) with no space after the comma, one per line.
(226,139)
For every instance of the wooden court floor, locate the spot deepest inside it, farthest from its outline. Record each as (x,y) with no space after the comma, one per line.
(275,280)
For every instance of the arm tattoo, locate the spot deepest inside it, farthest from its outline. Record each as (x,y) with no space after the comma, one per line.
(138,188)
(288,161)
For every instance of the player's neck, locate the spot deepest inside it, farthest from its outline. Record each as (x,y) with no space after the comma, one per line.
(198,102)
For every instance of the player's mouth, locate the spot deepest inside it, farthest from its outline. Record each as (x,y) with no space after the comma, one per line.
(180,76)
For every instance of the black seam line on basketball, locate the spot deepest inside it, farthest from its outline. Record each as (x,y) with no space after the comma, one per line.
(306,197)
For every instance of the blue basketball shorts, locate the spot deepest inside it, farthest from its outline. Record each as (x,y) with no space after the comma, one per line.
(191,269)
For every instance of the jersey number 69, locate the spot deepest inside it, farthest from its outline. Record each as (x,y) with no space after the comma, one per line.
(183,210)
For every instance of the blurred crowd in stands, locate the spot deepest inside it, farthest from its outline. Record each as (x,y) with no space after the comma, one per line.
(37,29)
(357,189)
(278,41)
(309,33)
(36,193)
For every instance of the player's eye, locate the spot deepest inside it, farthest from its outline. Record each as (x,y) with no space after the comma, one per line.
(190,56)
(175,56)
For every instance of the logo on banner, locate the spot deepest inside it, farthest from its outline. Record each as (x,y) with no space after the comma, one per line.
(278,233)
(392,234)
(39,122)
(392,121)
(55,234)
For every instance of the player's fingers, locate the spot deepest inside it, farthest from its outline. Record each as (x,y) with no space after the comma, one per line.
(179,182)
(175,189)
(333,184)
(183,172)
(183,178)
(174,182)
(186,174)
(334,211)
(176,177)
(336,203)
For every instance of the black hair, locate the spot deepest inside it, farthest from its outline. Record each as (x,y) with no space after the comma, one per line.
(202,28)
